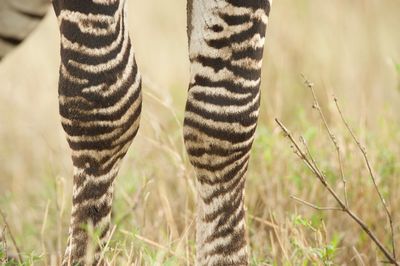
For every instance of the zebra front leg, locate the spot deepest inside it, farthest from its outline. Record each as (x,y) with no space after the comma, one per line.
(226,41)
(100,104)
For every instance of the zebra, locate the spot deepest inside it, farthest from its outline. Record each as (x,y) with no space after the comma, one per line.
(17,19)
(100,106)
(226,42)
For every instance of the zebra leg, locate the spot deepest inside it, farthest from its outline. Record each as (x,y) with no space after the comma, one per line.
(226,41)
(100,104)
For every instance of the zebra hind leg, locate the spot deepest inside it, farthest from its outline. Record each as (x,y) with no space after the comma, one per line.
(100,105)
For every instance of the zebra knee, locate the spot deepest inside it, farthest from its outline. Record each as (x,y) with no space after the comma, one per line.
(218,141)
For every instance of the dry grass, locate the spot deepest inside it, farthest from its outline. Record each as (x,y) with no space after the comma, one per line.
(349,48)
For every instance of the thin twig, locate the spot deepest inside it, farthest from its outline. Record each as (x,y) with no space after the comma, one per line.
(372,175)
(342,204)
(11,236)
(308,152)
(317,107)
(315,206)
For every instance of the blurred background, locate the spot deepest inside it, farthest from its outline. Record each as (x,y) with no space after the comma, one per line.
(350,49)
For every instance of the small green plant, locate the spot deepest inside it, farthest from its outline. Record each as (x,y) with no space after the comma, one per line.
(321,251)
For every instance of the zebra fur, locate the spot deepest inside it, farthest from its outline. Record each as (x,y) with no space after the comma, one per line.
(226,41)
(18,18)
(100,105)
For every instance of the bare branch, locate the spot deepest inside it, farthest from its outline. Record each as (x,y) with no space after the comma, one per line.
(342,204)
(302,140)
(314,169)
(372,175)
(316,106)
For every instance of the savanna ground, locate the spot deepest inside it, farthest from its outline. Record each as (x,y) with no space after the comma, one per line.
(347,48)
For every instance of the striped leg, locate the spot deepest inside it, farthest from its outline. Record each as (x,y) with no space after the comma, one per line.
(100,103)
(226,41)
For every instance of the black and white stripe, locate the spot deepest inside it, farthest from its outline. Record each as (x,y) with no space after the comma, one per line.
(100,104)
(226,41)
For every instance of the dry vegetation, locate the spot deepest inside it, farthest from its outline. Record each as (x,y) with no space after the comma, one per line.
(348,48)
